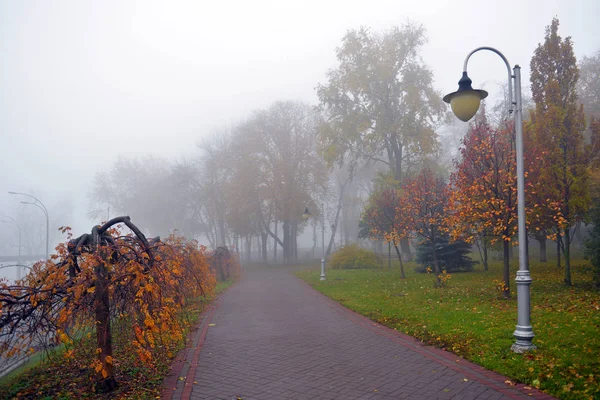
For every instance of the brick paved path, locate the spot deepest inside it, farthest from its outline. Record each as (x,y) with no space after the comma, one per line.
(274,337)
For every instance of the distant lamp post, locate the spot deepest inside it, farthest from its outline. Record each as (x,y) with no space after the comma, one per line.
(306,216)
(42,207)
(12,220)
(465,103)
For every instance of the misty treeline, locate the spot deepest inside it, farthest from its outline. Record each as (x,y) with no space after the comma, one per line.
(251,182)
(379,121)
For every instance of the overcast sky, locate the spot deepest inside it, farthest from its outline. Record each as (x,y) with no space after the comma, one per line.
(84,81)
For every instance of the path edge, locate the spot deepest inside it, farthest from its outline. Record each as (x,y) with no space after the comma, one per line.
(453,361)
(179,381)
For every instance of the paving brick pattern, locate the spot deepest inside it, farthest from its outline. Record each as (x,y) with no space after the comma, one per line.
(274,337)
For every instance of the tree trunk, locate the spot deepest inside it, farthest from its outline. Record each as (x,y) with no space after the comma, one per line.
(248,248)
(346,225)
(222,232)
(396,152)
(436,265)
(264,236)
(558,248)
(577,235)
(106,378)
(567,246)
(221,267)
(400,259)
(211,237)
(314,240)
(482,248)
(286,242)
(275,244)
(106,381)
(541,239)
(485,255)
(276,238)
(405,246)
(506,271)
(293,241)
(334,226)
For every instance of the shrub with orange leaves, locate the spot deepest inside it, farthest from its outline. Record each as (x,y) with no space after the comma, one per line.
(100,280)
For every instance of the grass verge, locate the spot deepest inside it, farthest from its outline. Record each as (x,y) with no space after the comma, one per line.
(470,318)
(49,376)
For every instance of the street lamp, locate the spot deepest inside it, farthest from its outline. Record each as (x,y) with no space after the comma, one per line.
(465,102)
(307,215)
(11,219)
(42,207)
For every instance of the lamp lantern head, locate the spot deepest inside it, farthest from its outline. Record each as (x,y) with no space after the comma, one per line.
(466,100)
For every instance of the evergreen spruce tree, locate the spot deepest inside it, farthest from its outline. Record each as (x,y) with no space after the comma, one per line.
(453,257)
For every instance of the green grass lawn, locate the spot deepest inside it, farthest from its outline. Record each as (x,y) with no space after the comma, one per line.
(470,318)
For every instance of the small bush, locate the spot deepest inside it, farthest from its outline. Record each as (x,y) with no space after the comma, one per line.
(224,264)
(354,257)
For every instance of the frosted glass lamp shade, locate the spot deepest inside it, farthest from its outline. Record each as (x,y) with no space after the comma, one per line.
(306,215)
(465,104)
(466,100)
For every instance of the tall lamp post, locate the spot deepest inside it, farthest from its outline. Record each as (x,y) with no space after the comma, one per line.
(307,215)
(465,103)
(42,207)
(11,219)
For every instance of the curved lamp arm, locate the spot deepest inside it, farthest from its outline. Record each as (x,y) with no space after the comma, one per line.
(38,203)
(15,265)
(306,206)
(43,207)
(510,76)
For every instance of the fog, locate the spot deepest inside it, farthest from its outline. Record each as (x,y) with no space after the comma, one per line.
(84,82)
